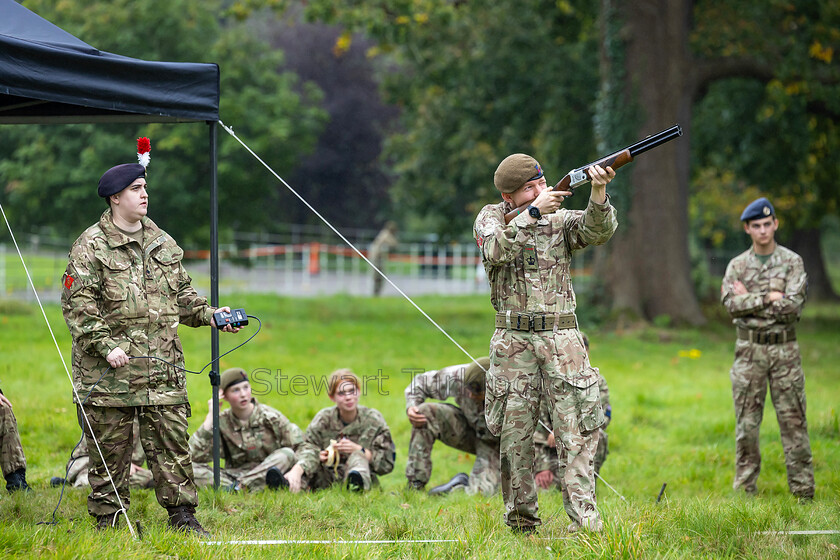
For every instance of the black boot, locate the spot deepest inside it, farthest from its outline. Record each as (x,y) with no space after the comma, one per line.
(355,482)
(57,481)
(182,518)
(460,480)
(415,485)
(17,481)
(274,479)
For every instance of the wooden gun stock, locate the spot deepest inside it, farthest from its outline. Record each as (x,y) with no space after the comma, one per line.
(577,177)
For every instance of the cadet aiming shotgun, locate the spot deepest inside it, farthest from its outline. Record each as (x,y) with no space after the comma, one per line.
(580,176)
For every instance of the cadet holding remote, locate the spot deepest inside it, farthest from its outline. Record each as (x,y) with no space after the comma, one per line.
(124,293)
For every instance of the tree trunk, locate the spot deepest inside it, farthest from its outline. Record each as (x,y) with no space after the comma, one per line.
(807,243)
(649,269)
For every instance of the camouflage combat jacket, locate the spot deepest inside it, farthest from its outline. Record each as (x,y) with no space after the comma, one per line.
(443,384)
(528,265)
(114,297)
(783,272)
(368,430)
(246,443)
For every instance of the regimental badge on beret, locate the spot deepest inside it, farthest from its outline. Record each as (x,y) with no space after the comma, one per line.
(516,170)
(231,377)
(120,176)
(759,208)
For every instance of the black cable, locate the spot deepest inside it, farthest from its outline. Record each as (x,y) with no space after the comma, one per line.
(106,370)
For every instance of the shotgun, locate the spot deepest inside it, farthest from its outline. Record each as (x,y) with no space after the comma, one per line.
(580,176)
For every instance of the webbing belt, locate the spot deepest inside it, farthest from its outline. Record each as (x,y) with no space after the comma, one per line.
(760,337)
(535,321)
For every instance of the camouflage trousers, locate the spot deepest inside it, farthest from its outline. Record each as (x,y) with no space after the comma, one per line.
(447,423)
(601,453)
(325,476)
(77,474)
(251,477)
(163,433)
(377,278)
(778,365)
(524,368)
(11,450)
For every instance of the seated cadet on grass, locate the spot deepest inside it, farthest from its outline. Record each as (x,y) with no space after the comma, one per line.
(12,459)
(460,425)
(546,467)
(258,443)
(77,465)
(347,443)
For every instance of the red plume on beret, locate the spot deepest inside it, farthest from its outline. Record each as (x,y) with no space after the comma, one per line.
(144,147)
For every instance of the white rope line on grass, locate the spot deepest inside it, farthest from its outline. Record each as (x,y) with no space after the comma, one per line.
(230,131)
(826,532)
(282,542)
(70,377)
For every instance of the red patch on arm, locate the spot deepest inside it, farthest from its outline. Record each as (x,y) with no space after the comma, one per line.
(68,281)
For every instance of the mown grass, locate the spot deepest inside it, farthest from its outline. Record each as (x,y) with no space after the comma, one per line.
(672,423)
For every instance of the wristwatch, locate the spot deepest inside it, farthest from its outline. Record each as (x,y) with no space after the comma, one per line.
(534,212)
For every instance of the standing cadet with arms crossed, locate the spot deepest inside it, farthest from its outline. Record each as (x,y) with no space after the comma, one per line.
(537,350)
(764,290)
(125,292)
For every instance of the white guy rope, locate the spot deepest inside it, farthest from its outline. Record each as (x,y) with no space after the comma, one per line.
(70,377)
(274,542)
(230,131)
(827,532)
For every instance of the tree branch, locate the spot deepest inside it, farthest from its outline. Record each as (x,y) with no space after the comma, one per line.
(708,71)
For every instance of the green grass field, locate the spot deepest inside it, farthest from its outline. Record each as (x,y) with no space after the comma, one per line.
(672,423)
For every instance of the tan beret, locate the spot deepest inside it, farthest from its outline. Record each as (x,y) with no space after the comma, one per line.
(231,377)
(474,375)
(516,170)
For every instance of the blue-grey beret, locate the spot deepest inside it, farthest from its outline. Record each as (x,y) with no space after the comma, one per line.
(119,177)
(757,209)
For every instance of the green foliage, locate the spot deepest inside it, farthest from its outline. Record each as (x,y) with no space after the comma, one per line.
(49,173)
(476,81)
(672,422)
(773,131)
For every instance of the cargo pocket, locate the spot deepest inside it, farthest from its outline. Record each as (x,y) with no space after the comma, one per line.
(591,412)
(116,279)
(495,402)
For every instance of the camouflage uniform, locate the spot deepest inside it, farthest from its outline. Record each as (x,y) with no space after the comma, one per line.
(77,466)
(379,249)
(462,427)
(368,430)
(11,450)
(546,457)
(249,447)
(759,362)
(119,294)
(528,266)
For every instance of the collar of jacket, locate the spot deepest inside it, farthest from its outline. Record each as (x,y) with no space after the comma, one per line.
(153,238)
